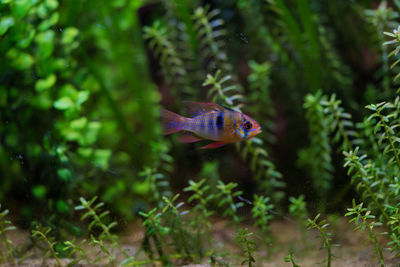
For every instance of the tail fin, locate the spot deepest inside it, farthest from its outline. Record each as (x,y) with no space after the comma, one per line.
(171,122)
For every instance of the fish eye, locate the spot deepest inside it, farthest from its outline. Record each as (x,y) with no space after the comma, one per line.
(247,125)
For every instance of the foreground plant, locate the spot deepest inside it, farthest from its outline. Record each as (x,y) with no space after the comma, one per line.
(5,226)
(261,212)
(93,213)
(290,258)
(247,246)
(363,219)
(324,235)
(41,233)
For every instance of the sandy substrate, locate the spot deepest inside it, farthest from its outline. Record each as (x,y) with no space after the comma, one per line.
(354,247)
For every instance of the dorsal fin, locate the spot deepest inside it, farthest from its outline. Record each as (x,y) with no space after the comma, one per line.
(194,109)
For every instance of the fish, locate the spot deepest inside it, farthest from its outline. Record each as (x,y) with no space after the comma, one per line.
(210,121)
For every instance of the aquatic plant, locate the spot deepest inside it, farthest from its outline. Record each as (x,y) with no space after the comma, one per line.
(174,71)
(97,218)
(298,209)
(325,236)
(6,248)
(41,233)
(262,215)
(226,201)
(317,159)
(247,246)
(290,258)
(363,219)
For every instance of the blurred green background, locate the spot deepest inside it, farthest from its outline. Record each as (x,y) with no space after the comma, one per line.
(82,83)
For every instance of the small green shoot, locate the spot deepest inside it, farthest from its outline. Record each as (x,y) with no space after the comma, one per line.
(323,234)
(41,233)
(362,219)
(247,246)
(290,258)
(5,226)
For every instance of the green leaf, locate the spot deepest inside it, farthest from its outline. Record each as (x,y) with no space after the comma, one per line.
(64,174)
(141,188)
(20,60)
(79,124)
(92,131)
(5,24)
(21,7)
(45,25)
(82,97)
(44,84)
(25,42)
(51,4)
(63,103)
(39,191)
(42,101)
(69,35)
(62,206)
(101,157)
(45,41)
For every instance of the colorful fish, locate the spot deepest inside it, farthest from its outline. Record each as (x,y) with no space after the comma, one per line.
(210,122)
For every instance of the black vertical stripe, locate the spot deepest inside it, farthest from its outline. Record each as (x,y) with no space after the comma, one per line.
(220,120)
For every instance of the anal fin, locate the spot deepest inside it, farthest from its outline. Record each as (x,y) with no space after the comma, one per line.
(188,137)
(213,145)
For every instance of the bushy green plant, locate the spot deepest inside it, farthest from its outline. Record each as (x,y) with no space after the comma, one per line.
(317,158)
(325,236)
(6,245)
(262,215)
(41,233)
(290,258)
(362,219)
(247,246)
(58,80)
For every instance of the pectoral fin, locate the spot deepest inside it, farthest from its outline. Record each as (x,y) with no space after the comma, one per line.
(213,145)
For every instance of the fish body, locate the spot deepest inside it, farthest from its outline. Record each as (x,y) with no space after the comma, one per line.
(210,122)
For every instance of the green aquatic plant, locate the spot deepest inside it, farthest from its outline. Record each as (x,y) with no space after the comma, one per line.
(290,258)
(172,65)
(226,201)
(41,233)
(200,223)
(382,17)
(293,26)
(396,35)
(326,237)
(317,159)
(298,209)
(342,125)
(76,252)
(169,231)
(262,215)
(6,245)
(97,218)
(363,219)
(247,246)
(259,98)
(210,35)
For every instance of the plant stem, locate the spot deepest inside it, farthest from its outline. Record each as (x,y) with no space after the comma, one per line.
(389,137)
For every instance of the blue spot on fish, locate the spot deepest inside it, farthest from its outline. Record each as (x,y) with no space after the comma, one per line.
(211,124)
